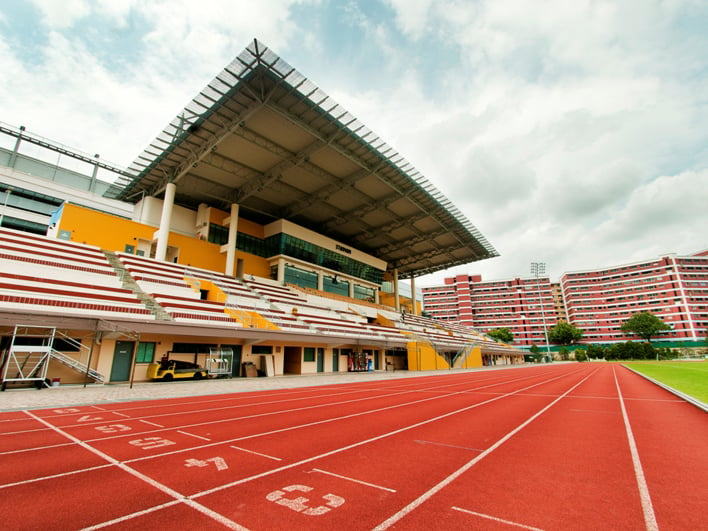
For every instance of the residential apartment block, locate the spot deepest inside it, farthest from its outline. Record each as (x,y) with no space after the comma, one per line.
(598,301)
(674,288)
(523,305)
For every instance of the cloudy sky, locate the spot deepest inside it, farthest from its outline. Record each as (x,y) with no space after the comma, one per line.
(573,133)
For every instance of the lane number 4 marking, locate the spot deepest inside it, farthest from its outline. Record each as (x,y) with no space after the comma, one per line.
(299,504)
(219,462)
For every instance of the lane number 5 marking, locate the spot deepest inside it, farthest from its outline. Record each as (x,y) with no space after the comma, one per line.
(299,504)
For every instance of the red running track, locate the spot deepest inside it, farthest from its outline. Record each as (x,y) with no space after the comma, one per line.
(571,446)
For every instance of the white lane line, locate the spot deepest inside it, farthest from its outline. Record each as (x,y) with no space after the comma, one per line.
(387,393)
(449,445)
(35,449)
(365,441)
(449,479)
(193,435)
(645,497)
(333,419)
(152,423)
(267,433)
(352,479)
(121,414)
(53,476)
(494,518)
(130,516)
(146,479)
(256,453)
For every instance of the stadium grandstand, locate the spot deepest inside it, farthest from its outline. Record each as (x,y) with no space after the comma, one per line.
(253,236)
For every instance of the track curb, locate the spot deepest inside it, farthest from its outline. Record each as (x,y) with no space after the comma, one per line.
(684,396)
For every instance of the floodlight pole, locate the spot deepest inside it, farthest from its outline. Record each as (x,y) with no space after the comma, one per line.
(539,268)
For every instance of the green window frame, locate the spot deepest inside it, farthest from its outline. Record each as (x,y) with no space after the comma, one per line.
(308,354)
(145,352)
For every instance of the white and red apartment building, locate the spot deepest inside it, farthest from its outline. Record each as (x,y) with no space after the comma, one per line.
(674,288)
(598,301)
(523,305)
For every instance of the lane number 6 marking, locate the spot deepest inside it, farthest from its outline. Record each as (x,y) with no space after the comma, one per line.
(299,504)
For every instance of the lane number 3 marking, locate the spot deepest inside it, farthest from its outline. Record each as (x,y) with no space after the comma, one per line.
(299,503)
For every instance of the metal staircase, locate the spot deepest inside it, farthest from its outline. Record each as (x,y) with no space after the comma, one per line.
(30,351)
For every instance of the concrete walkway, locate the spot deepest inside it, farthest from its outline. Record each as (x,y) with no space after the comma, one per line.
(77,395)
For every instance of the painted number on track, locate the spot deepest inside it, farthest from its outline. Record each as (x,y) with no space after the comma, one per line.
(148,443)
(113,428)
(299,503)
(219,462)
(88,418)
(71,410)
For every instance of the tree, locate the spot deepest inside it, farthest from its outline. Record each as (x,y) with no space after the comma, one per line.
(501,334)
(645,325)
(564,334)
(595,352)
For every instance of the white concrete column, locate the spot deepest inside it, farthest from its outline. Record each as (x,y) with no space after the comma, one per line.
(163,233)
(231,243)
(281,271)
(351,289)
(320,281)
(395,290)
(415,310)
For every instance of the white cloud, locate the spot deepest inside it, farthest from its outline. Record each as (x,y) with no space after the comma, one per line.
(62,14)
(573,134)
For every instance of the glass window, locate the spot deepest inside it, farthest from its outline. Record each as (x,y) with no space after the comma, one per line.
(335,285)
(300,277)
(218,234)
(308,354)
(145,352)
(363,293)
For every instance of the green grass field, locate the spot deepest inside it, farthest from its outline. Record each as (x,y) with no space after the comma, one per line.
(689,377)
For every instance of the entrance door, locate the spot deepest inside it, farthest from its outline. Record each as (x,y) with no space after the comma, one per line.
(320,360)
(236,361)
(122,361)
(335,360)
(292,362)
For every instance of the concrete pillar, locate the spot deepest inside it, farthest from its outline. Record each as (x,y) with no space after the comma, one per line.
(231,243)
(281,271)
(163,233)
(415,310)
(395,290)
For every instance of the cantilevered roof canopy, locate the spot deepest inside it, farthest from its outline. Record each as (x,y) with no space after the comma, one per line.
(265,137)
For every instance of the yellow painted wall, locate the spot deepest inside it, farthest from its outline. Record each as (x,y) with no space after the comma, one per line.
(251,228)
(423,357)
(474,359)
(406,303)
(89,226)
